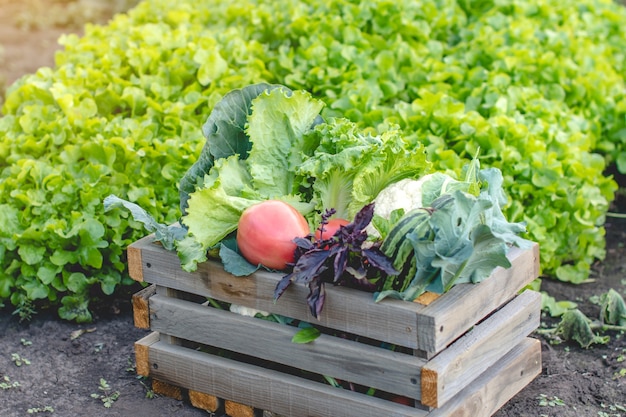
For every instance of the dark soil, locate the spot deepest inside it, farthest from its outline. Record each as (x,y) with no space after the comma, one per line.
(50,364)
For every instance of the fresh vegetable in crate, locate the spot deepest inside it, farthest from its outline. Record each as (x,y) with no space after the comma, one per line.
(429,234)
(458,234)
(400,229)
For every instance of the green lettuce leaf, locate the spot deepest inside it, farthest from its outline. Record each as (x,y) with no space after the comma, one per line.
(225,135)
(351,166)
(279,118)
(276,128)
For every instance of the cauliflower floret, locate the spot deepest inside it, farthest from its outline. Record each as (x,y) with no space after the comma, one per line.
(246,311)
(405,194)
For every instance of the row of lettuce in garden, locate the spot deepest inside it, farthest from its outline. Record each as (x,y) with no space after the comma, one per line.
(538,86)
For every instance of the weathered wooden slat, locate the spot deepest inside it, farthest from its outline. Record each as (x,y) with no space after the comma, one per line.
(347,310)
(142,349)
(348,360)
(265,389)
(141,315)
(491,390)
(426,328)
(292,396)
(454,368)
(448,317)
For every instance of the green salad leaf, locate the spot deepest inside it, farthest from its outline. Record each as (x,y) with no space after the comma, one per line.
(350,166)
(278,120)
(225,135)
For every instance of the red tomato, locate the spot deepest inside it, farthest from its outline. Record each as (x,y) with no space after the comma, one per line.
(330,228)
(266,231)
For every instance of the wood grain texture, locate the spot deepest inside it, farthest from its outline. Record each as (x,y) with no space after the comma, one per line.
(133,253)
(166,389)
(235,409)
(292,396)
(491,390)
(457,366)
(141,313)
(346,310)
(413,325)
(142,353)
(265,389)
(204,401)
(341,358)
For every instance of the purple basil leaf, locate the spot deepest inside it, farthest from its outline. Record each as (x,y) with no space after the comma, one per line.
(363,218)
(316,297)
(310,265)
(282,285)
(380,261)
(340,263)
(304,243)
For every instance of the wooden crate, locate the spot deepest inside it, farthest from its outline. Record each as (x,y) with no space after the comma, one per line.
(465,353)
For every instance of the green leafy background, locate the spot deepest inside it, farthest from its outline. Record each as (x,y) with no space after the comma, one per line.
(537,85)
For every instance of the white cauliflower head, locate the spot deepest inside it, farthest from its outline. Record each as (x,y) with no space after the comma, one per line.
(405,194)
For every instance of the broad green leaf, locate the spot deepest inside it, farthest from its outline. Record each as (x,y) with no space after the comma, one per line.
(306,335)
(166,234)
(576,326)
(31,254)
(47,273)
(613,308)
(234,263)
(76,282)
(35,289)
(276,128)
(556,308)
(75,308)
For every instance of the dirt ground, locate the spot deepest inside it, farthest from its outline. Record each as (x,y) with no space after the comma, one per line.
(48,366)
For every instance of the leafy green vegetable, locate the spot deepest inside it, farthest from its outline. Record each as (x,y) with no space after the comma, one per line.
(306,335)
(555,308)
(166,234)
(351,167)
(275,129)
(458,238)
(225,135)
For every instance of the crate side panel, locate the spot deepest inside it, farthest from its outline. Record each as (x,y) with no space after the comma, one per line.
(495,387)
(352,311)
(460,363)
(341,358)
(451,315)
(265,389)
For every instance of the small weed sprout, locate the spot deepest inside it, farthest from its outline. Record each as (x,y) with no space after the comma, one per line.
(108,397)
(150,394)
(25,342)
(25,310)
(545,401)
(18,360)
(6,383)
(45,409)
